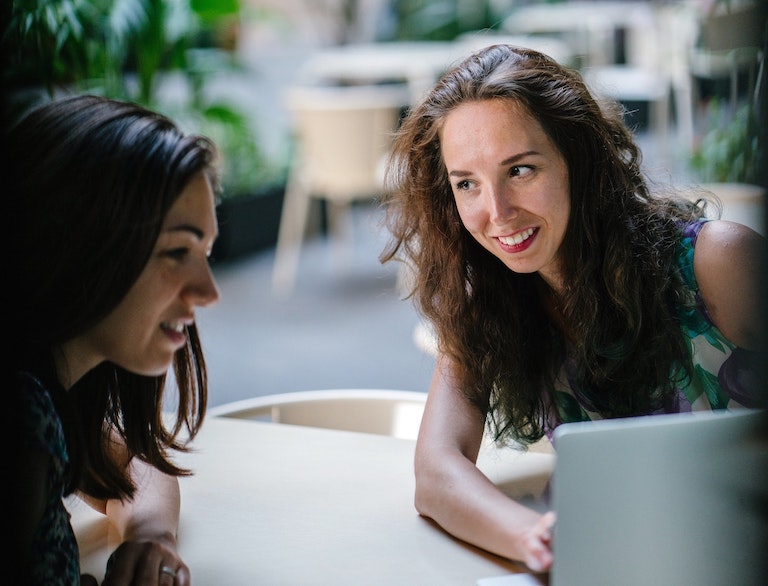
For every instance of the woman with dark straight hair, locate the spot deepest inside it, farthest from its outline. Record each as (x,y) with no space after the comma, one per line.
(113,219)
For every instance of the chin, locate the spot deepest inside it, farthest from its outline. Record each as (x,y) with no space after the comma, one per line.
(155,369)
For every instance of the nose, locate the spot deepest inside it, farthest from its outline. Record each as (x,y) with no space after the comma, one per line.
(202,289)
(500,203)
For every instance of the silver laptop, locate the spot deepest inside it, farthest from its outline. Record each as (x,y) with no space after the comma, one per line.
(666,500)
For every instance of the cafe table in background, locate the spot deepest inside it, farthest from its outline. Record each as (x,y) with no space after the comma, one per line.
(276,504)
(418,64)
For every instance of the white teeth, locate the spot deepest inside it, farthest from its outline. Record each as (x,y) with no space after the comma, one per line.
(517,238)
(176,326)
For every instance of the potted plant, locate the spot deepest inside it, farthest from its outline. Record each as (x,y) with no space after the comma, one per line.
(728,150)
(126,50)
(253,188)
(730,154)
(253,185)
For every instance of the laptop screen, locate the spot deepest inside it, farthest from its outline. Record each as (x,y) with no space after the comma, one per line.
(662,500)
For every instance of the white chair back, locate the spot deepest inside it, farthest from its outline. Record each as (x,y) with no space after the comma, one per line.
(343,135)
(388,412)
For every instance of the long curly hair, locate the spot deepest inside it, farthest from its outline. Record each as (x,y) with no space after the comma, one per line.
(617,257)
(91,180)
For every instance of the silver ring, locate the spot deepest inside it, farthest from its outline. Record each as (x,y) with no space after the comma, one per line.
(167,570)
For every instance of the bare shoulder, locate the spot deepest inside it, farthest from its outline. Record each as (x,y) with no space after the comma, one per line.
(729,263)
(727,232)
(724,247)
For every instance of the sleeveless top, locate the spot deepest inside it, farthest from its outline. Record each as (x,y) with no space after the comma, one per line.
(722,376)
(55,557)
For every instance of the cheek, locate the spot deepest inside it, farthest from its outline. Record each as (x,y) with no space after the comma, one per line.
(150,294)
(564,212)
(471,216)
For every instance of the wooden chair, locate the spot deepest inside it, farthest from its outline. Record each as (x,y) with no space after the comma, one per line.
(342,138)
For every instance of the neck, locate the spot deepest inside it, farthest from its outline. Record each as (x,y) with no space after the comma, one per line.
(72,361)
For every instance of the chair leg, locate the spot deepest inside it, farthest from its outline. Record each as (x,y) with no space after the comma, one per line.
(659,121)
(684,111)
(340,232)
(290,236)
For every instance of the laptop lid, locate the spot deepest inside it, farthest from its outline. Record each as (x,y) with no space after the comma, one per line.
(665,500)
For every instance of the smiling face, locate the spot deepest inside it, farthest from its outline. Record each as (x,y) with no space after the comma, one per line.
(145,330)
(510,184)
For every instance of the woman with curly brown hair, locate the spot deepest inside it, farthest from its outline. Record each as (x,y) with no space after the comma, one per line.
(558,287)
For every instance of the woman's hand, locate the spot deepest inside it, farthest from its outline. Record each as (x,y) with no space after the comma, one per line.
(154,563)
(147,525)
(537,544)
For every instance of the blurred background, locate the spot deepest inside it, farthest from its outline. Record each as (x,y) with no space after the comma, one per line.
(300,95)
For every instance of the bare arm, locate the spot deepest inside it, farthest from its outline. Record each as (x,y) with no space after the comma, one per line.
(452,491)
(729,264)
(147,526)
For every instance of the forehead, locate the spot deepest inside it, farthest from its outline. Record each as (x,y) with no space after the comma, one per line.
(489,113)
(487,125)
(195,206)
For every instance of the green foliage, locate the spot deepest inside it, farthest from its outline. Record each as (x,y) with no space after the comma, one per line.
(244,166)
(54,42)
(119,49)
(91,44)
(213,11)
(728,152)
(442,20)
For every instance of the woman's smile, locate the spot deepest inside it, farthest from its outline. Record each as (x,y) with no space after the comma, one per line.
(519,241)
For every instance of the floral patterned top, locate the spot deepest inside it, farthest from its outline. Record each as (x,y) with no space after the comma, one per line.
(55,556)
(721,371)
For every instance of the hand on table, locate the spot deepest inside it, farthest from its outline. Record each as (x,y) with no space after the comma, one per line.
(150,563)
(538,544)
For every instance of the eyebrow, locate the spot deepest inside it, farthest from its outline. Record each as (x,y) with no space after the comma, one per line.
(507,161)
(187,228)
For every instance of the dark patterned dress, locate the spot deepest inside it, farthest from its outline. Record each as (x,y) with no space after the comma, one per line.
(55,556)
(723,377)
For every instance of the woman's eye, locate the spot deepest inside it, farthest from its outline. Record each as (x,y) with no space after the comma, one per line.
(462,185)
(177,253)
(520,170)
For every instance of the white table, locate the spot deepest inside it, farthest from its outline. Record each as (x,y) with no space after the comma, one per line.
(274,504)
(419,64)
(589,24)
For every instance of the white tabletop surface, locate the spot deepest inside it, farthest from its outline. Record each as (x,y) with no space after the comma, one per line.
(589,25)
(417,63)
(380,61)
(564,16)
(279,504)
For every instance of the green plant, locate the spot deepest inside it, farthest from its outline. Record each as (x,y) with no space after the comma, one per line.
(92,44)
(728,151)
(733,145)
(120,49)
(244,166)
(442,19)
